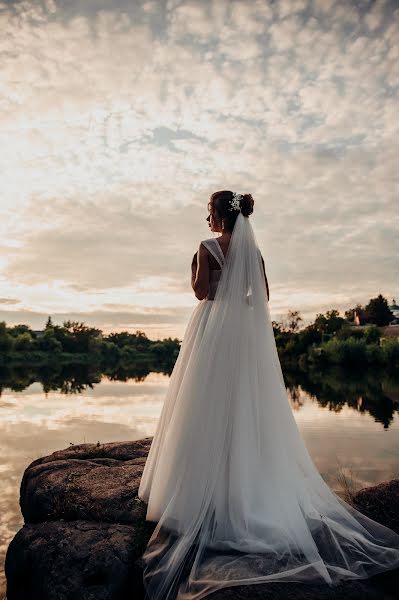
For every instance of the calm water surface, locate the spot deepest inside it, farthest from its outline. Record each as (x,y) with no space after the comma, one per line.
(344,423)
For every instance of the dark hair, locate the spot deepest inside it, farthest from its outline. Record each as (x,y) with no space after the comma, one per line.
(219,203)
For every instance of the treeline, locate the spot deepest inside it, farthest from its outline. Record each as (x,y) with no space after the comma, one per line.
(335,340)
(77,342)
(330,339)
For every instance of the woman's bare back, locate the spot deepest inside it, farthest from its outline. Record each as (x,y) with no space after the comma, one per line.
(214,265)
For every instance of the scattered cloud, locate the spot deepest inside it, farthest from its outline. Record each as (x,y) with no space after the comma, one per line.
(120,119)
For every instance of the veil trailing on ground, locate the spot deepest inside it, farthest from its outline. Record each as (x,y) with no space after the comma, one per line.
(236,497)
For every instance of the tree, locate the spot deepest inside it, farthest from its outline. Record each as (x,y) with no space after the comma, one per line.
(277,327)
(19,329)
(379,312)
(331,322)
(308,336)
(372,334)
(81,337)
(23,342)
(166,349)
(49,323)
(142,342)
(5,338)
(292,321)
(110,352)
(137,340)
(120,339)
(350,314)
(48,342)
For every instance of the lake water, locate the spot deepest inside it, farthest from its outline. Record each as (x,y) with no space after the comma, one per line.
(345,421)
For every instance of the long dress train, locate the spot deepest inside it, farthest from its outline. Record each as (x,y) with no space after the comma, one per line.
(235,495)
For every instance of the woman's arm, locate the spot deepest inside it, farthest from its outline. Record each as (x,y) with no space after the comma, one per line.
(264,271)
(193,269)
(200,273)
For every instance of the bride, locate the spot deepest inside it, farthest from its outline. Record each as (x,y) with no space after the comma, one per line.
(236,498)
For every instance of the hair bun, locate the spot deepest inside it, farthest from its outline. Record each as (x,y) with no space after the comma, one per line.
(247,205)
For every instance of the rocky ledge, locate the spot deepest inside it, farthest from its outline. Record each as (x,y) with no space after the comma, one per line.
(85,532)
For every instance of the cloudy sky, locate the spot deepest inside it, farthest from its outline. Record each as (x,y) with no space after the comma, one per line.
(119,119)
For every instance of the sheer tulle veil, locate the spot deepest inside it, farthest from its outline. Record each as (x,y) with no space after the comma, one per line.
(235,495)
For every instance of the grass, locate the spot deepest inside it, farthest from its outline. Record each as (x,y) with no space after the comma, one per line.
(347,483)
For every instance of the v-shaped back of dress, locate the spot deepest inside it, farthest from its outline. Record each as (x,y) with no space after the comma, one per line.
(213,246)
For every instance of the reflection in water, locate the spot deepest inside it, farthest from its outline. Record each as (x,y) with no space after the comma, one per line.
(371,392)
(71,378)
(346,420)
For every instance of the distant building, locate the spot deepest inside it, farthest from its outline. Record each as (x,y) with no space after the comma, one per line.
(360,316)
(394,308)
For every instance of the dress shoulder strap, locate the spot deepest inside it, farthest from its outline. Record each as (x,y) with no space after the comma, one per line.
(213,246)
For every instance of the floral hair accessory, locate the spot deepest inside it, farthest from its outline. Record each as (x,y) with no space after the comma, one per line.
(235,202)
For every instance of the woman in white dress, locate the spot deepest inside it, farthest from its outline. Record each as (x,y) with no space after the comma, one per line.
(236,498)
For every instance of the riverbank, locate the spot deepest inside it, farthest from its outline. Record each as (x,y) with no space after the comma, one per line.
(85,531)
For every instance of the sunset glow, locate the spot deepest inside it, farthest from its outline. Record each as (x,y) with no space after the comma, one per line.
(119,119)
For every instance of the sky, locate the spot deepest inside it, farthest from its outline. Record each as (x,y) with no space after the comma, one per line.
(119,119)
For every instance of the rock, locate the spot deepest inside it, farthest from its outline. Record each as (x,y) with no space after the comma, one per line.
(86,481)
(381,503)
(85,532)
(85,527)
(78,559)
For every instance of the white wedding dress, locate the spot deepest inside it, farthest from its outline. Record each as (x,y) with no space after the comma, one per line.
(236,498)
